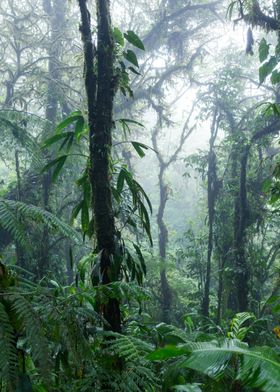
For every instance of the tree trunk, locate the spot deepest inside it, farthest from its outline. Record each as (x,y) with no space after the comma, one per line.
(100,89)
(56,14)
(241,267)
(212,192)
(241,221)
(166,296)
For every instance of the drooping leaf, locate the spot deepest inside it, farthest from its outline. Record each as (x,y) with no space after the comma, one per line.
(79,128)
(141,258)
(275,77)
(118,36)
(55,138)
(130,56)
(85,217)
(69,120)
(267,68)
(263,50)
(139,147)
(57,164)
(133,39)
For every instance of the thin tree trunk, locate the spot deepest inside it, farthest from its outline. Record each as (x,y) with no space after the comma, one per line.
(212,192)
(241,269)
(166,295)
(56,14)
(19,250)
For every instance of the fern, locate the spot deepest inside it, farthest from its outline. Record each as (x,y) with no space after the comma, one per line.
(129,347)
(8,357)
(13,212)
(10,222)
(32,327)
(9,120)
(237,331)
(137,374)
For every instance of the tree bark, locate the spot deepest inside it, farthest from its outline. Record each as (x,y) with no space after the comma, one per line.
(212,193)
(166,295)
(241,214)
(242,275)
(56,14)
(100,89)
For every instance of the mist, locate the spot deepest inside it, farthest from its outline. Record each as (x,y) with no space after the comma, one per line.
(139,195)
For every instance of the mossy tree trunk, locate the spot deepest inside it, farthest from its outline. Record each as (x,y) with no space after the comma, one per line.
(55,11)
(212,193)
(100,89)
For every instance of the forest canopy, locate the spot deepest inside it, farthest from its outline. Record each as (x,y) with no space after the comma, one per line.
(139,195)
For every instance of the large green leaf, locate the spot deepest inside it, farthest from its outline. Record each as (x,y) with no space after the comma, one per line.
(258,367)
(118,36)
(75,116)
(267,68)
(130,56)
(187,388)
(263,50)
(133,38)
(57,164)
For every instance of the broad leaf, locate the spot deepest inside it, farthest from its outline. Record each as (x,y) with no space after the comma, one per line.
(263,50)
(133,38)
(130,56)
(267,68)
(118,35)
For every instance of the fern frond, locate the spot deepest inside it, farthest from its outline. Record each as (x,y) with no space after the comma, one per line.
(12,212)
(129,347)
(139,378)
(8,357)
(138,375)
(10,222)
(237,331)
(33,329)
(9,122)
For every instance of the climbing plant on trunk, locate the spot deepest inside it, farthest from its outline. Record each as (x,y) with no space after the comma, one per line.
(100,90)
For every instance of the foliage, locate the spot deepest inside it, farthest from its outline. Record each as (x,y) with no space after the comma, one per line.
(226,358)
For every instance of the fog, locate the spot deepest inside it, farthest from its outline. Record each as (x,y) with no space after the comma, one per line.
(139,195)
